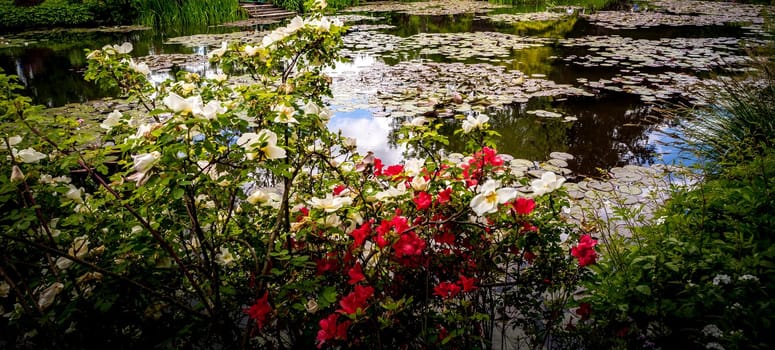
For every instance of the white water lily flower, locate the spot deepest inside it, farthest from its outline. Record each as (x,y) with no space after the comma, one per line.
(419,183)
(13,140)
(330,204)
(219,51)
(251,50)
(548,182)
(144,162)
(141,67)
(48,295)
(28,155)
(264,141)
(413,167)
(471,123)
(284,114)
(490,196)
(112,120)
(182,105)
(225,257)
(74,194)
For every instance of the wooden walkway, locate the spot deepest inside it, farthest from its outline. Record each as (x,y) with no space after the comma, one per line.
(265,11)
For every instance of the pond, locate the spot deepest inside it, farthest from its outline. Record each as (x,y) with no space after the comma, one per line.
(591,84)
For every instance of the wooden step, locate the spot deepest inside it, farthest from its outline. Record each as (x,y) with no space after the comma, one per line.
(266,11)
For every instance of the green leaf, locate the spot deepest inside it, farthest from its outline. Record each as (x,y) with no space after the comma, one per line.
(643,289)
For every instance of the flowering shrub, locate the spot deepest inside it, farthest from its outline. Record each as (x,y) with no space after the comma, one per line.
(229,214)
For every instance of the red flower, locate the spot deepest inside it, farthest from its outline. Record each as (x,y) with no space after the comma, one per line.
(378,166)
(445,237)
(394,170)
(530,256)
(356,274)
(584,310)
(409,244)
(361,233)
(339,189)
(329,263)
(260,310)
(398,224)
(356,300)
(422,200)
(329,330)
(468,284)
(585,251)
(446,290)
(444,195)
(524,206)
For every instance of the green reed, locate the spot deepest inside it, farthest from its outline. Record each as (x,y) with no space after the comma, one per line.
(187,12)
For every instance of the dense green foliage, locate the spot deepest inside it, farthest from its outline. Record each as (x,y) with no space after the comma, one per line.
(703,276)
(49,13)
(187,12)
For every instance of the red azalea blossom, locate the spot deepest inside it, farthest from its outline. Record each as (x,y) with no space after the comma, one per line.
(378,166)
(361,233)
(468,284)
(446,290)
(584,310)
(530,256)
(397,225)
(356,274)
(445,195)
(523,206)
(329,263)
(339,189)
(409,244)
(445,237)
(585,251)
(393,170)
(329,330)
(528,227)
(260,310)
(422,200)
(356,300)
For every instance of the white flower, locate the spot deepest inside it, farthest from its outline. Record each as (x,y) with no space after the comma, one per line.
(490,196)
(390,193)
(144,162)
(413,167)
(141,67)
(4,289)
(547,183)
(63,263)
(80,247)
(219,51)
(721,279)
(714,346)
(472,123)
(225,257)
(124,48)
(48,295)
(210,110)
(294,25)
(265,141)
(273,37)
(332,220)
(74,194)
(419,183)
(318,5)
(220,77)
(748,278)
(13,140)
(112,120)
(311,108)
(330,204)
(182,105)
(267,198)
(419,121)
(251,50)
(28,155)
(712,330)
(16,174)
(349,142)
(284,114)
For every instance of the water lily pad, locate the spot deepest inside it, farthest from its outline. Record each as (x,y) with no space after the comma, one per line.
(561,156)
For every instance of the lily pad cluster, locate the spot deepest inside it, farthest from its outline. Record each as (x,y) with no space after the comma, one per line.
(680,13)
(655,87)
(163,62)
(349,18)
(526,17)
(698,54)
(452,46)
(441,89)
(429,8)
(199,40)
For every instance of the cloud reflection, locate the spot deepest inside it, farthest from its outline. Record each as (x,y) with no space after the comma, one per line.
(371,134)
